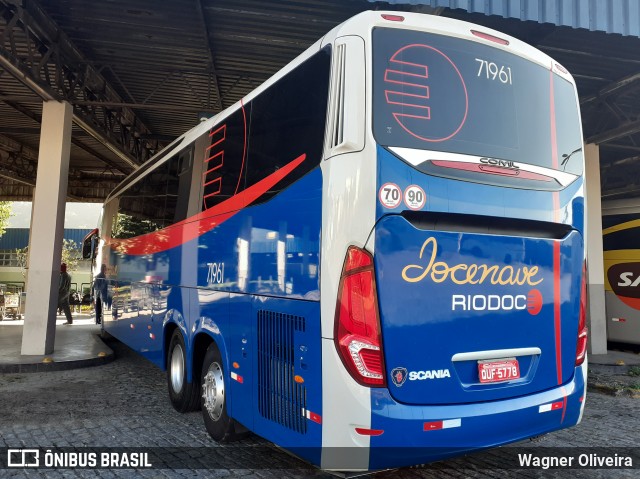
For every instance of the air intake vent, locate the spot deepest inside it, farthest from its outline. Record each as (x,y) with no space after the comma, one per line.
(337,131)
(280,398)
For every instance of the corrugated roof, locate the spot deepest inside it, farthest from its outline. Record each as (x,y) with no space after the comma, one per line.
(170,60)
(610,16)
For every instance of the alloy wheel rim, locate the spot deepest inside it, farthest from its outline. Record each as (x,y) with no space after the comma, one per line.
(213,391)
(177,368)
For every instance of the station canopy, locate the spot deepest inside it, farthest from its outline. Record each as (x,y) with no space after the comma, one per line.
(139,73)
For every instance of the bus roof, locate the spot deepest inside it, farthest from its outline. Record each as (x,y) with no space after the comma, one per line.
(359,25)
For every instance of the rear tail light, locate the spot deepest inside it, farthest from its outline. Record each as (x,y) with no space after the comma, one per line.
(357,325)
(581,349)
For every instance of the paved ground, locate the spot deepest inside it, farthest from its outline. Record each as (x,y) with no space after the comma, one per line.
(75,346)
(125,404)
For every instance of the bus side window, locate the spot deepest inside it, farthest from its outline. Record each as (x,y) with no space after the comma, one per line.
(156,201)
(224,160)
(178,186)
(287,121)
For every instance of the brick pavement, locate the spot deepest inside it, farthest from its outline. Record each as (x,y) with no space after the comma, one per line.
(125,404)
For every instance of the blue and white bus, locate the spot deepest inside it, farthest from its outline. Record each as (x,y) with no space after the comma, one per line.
(376,258)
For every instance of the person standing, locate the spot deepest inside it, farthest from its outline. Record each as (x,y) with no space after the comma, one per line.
(99,291)
(63,293)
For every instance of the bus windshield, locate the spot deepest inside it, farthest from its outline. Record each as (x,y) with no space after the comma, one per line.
(439,93)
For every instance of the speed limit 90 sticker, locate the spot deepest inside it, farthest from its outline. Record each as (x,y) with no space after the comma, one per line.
(414,197)
(390,195)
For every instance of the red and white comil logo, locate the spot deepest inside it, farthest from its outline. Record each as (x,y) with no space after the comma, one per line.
(427,93)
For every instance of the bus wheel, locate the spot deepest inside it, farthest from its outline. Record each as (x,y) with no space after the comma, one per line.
(183,395)
(214,407)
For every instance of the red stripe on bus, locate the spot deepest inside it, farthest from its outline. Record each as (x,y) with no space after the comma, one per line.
(221,154)
(222,128)
(197,225)
(556,308)
(556,244)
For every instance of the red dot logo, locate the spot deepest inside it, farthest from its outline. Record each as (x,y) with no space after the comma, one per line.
(534,302)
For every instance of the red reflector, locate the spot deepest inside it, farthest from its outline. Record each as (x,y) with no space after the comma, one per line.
(491,38)
(432,426)
(369,432)
(314,417)
(393,18)
(372,360)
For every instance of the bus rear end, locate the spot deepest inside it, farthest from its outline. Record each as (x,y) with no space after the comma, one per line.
(463,314)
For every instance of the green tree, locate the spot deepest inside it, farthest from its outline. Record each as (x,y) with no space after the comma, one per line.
(127,226)
(71,255)
(5,214)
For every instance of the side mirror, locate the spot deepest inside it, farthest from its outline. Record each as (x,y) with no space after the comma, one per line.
(89,244)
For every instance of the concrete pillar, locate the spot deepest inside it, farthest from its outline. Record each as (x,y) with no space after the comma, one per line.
(596,316)
(47,229)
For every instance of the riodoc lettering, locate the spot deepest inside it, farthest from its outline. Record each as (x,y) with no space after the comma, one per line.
(440,271)
(491,302)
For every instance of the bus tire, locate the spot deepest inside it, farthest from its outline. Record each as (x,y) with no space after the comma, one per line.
(213,401)
(184,395)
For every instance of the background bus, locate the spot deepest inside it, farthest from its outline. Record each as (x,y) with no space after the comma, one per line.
(375,259)
(621,242)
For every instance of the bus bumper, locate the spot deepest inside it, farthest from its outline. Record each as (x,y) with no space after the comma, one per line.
(420,434)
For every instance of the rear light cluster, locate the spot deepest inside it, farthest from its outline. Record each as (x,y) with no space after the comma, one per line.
(581,349)
(357,326)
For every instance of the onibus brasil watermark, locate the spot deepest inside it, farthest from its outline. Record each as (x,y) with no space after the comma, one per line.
(36,458)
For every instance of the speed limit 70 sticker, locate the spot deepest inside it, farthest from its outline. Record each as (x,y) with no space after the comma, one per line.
(414,197)
(390,195)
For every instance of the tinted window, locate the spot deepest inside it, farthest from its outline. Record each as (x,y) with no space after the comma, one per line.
(282,123)
(287,121)
(224,159)
(157,200)
(447,94)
